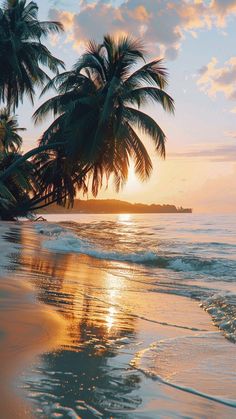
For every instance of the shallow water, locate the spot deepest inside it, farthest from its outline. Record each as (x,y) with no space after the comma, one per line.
(187,254)
(137,342)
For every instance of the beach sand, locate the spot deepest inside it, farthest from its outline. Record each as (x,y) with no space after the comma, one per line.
(27,329)
(108,347)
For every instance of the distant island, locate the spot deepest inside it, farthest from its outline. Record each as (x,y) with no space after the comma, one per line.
(113,206)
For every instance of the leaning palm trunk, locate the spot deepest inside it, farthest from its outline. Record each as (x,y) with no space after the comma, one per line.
(9,170)
(39,202)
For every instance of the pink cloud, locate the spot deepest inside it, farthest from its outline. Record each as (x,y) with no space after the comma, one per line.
(216,79)
(163,24)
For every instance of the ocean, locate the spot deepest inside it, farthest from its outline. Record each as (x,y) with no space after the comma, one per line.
(149,302)
(184,254)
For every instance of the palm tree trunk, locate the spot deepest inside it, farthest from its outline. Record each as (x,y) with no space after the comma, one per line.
(47,204)
(39,199)
(27,156)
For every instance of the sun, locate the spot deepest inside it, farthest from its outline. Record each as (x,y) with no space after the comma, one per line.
(133,183)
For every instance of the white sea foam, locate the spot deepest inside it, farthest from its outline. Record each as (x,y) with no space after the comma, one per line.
(70,243)
(222,308)
(61,239)
(184,354)
(224,401)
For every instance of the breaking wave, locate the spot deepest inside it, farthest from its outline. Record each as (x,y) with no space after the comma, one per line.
(60,239)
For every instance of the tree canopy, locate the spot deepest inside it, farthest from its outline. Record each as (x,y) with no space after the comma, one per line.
(24,59)
(99,109)
(98,112)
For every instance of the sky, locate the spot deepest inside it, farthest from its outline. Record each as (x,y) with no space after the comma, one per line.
(196,38)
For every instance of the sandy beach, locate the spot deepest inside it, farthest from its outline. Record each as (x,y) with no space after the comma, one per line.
(80,340)
(27,329)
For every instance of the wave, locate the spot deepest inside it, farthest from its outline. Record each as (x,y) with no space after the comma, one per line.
(185,355)
(62,240)
(222,309)
(226,402)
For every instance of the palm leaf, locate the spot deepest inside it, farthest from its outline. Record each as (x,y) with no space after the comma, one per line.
(148,126)
(150,73)
(143,95)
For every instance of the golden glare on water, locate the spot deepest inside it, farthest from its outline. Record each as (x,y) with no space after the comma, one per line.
(110,318)
(114,286)
(124,217)
(73,290)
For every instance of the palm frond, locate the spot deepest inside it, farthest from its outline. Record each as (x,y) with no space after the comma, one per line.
(22,53)
(10,140)
(94,64)
(143,95)
(151,73)
(148,126)
(138,152)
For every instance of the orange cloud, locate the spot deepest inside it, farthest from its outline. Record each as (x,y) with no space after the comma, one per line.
(141,14)
(162,24)
(67,19)
(215,79)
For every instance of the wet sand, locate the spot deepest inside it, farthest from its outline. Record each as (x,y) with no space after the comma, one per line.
(109,347)
(27,329)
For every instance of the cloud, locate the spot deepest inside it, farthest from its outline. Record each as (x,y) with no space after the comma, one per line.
(66,17)
(161,23)
(231,134)
(215,154)
(216,79)
(223,7)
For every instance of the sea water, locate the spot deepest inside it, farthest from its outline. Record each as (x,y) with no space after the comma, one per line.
(150,303)
(194,255)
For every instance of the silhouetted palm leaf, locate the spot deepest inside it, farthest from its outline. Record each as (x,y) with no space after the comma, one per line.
(23,57)
(10,140)
(19,185)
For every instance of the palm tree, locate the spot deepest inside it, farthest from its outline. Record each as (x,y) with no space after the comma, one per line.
(23,60)
(10,140)
(98,121)
(56,180)
(20,184)
(98,115)
(23,56)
